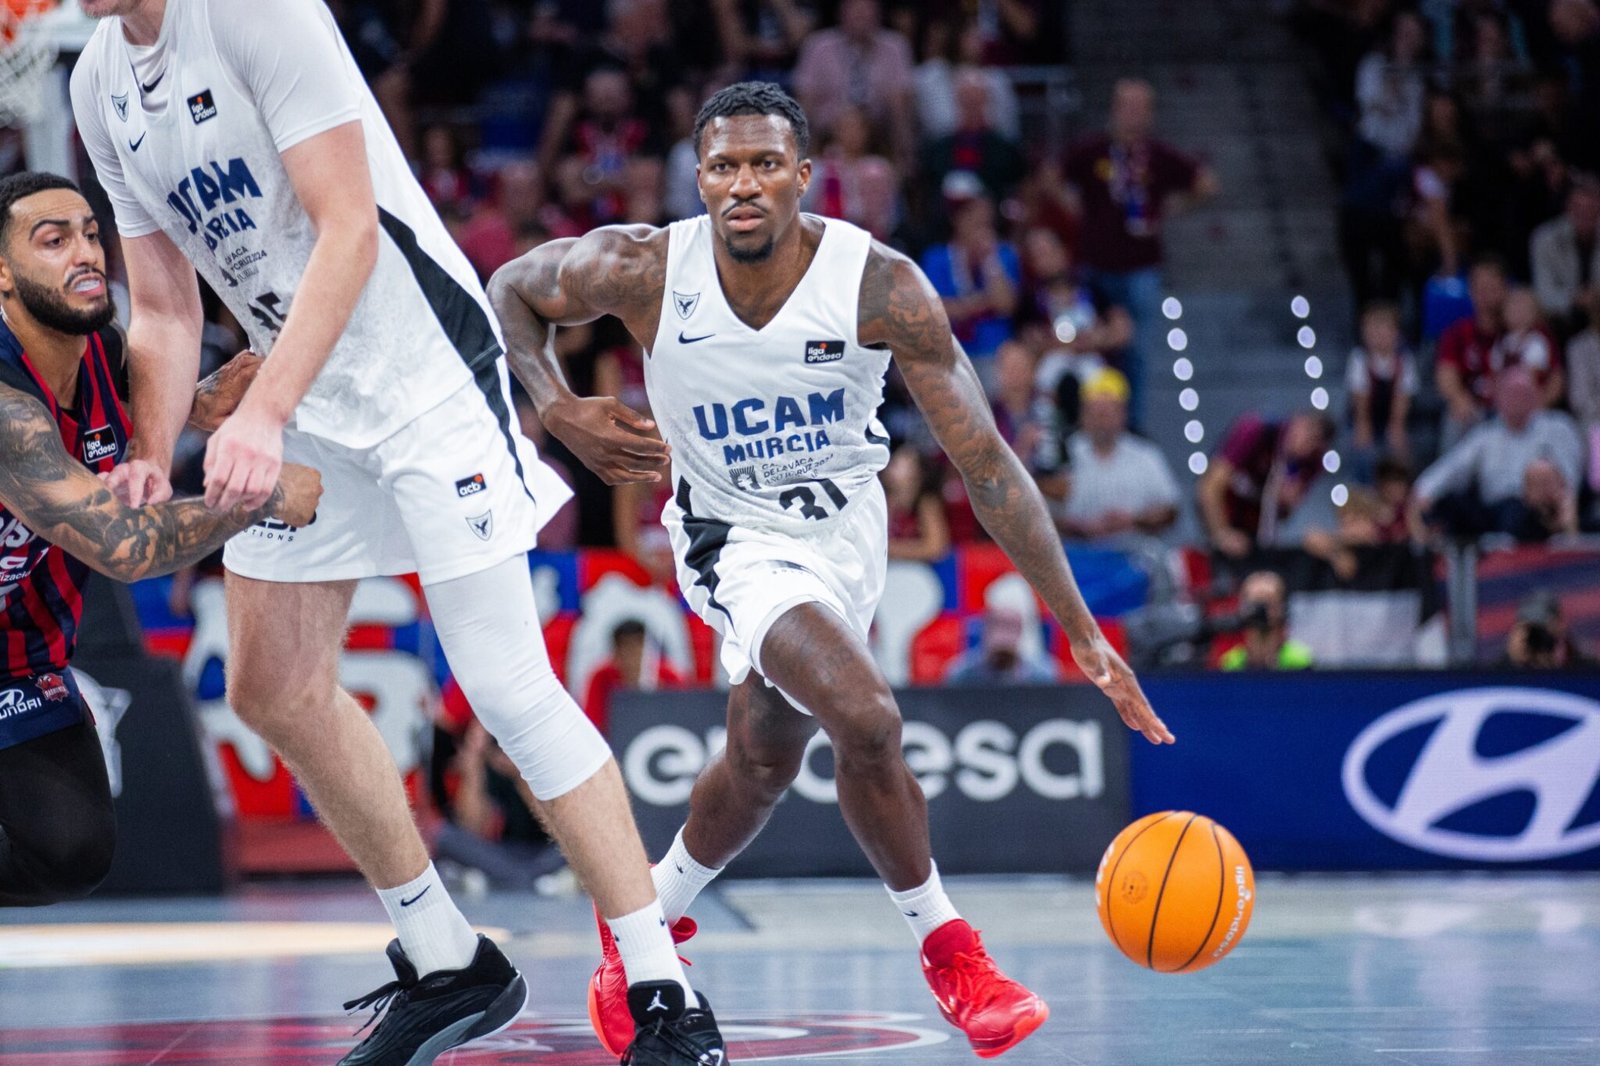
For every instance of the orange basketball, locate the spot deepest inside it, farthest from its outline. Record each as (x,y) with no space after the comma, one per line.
(1175,892)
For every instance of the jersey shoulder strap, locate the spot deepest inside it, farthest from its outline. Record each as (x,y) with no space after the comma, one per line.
(12,372)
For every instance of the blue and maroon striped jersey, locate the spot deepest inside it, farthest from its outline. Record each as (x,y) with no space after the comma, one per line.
(41,586)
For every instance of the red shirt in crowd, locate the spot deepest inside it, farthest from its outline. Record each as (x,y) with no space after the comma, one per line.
(1479,354)
(1123,191)
(1251,448)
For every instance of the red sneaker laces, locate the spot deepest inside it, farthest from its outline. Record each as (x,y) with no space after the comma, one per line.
(977,978)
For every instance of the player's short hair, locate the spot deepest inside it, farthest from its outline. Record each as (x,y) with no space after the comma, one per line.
(755,98)
(20,186)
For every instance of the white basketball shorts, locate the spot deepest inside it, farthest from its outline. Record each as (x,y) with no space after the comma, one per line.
(740,580)
(455,491)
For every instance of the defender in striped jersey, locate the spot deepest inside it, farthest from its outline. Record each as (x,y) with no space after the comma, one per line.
(61,424)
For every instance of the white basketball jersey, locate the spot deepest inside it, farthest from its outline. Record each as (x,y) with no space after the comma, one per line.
(196,156)
(774,428)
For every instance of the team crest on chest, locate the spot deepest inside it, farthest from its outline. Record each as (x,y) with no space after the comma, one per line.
(121,105)
(685,303)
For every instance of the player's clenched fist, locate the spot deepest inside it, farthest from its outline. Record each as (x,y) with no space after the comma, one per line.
(300,489)
(610,438)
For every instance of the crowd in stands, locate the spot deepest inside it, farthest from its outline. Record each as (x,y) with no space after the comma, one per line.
(1470,227)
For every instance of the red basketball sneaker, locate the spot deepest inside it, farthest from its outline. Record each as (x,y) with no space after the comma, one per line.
(608,988)
(994,1011)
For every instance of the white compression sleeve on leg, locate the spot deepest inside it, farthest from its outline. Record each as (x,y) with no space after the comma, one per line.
(488,624)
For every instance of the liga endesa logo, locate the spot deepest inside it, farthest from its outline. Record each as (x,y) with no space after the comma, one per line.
(272,1042)
(1488,774)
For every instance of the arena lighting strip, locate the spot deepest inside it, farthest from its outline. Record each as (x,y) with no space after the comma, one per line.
(1331,460)
(1194,431)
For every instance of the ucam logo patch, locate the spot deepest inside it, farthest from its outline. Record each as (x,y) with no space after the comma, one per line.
(824,352)
(1454,774)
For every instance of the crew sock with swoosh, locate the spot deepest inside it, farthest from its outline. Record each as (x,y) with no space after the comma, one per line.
(431,928)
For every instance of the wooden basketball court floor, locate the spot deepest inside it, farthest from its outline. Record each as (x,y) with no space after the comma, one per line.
(1335,971)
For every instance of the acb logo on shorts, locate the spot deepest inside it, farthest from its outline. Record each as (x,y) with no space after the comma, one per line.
(471,486)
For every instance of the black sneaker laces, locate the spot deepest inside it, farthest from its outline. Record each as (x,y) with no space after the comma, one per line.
(671,1037)
(378,999)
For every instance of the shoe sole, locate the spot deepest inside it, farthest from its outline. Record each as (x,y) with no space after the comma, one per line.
(599,1027)
(1025,1028)
(496,1018)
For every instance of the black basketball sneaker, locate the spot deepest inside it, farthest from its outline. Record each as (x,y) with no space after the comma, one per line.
(670,1032)
(427,1016)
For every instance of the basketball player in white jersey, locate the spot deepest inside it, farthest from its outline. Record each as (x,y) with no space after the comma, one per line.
(237,138)
(767,334)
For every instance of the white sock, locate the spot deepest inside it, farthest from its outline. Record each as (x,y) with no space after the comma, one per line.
(432,931)
(679,879)
(925,907)
(646,947)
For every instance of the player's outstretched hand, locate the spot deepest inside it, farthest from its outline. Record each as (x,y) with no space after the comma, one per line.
(138,483)
(1101,664)
(243,459)
(612,439)
(219,392)
(302,489)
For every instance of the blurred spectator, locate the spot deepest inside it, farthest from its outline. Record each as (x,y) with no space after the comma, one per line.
(1464,370)
(1368,518)
(918,529)
(680,178)
(1577,27)
(490,825)
(443,172)
(1565,255)
(998,659)
(1539,639)
(974,146)
(635,664)
(1123,179)
(1390,88)
(852,181)
(860,62)
(1583,386)
(636,517)
(560,530)
(1119,482)
(1028,420)
(977,273)
(509,224)
(1443,188)
(1527,343)
(607,135)
(1261,473)
(950,51)
(1382,381)
(1495,81)
(1073,330)
(1517,474)
(761,38)
(1264,618)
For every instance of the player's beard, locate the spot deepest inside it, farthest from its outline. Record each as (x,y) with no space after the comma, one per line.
(759,254)
(49,307)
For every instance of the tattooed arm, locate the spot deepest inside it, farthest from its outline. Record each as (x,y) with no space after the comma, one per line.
(615,270)
(60,500)
(901,311)
(219,392)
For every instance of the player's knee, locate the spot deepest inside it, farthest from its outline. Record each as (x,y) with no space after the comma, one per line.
(765,770)
(541,729)
(270,704)
(869,735)
(73,862)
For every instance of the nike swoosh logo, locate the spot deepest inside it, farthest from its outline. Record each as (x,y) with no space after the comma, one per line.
(684,339)
(413,899)
(152,86)
(134,145)
(909,914)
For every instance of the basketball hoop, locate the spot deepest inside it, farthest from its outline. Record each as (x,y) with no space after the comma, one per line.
(27,54)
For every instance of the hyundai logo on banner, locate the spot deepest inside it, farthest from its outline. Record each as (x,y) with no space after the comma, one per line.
(1487,775)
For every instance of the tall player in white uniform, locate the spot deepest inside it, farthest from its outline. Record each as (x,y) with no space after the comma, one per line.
(237,138)
(768,333)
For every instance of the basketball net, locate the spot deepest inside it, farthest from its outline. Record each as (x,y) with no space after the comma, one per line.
(27,55)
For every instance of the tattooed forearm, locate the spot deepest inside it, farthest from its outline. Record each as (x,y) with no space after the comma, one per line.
(60,500)
(614,270)
(900,310)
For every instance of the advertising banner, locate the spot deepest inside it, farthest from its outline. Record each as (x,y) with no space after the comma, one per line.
(1363,771)
(1017,779)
